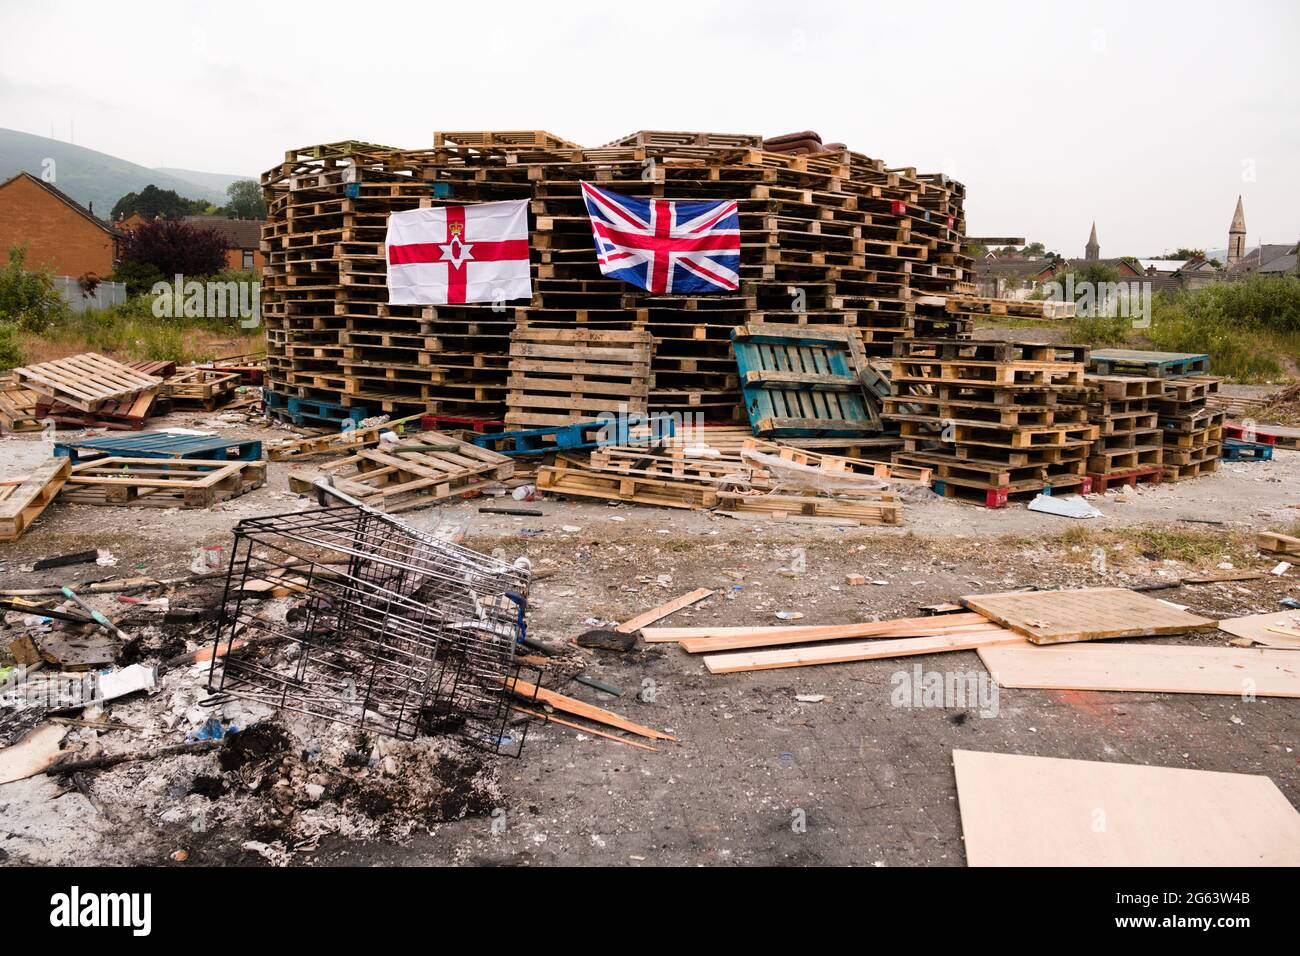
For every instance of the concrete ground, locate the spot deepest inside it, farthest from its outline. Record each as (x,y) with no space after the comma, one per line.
(756,776)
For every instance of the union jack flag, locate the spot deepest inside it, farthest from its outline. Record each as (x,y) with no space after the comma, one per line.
(665,245)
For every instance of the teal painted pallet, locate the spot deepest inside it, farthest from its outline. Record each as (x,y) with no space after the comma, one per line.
(805,382)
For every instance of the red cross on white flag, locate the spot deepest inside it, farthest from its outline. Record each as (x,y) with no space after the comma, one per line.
(448,255)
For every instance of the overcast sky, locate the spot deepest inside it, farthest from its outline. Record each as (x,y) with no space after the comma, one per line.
(1148,117)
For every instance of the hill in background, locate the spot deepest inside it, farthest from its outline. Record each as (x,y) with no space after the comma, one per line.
(89,176)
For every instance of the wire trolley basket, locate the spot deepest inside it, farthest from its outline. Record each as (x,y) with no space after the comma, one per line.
(395,631)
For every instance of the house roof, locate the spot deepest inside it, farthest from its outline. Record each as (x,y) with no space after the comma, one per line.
(1020,268)
(240,233)
(1164,265)
(1262,258)
(64,198)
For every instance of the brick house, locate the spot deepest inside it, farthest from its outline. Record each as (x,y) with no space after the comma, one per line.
(244,236)
(60,234)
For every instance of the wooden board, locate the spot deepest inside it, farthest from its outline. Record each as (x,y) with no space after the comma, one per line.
(896,627)
(1048,811)
(23,499)
(860,651)
(1152,668)
(655,614)
(1282,545)
(1086,614)
(85,381)
(1280,629)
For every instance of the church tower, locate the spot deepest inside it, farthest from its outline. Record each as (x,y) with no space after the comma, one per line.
(1092,251)
(1237,236)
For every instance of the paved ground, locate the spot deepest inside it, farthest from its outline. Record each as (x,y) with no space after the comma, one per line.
(757,777)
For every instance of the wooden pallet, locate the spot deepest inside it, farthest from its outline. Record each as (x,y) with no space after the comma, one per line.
(18,407)
(1085,614)
(864,508)
(1126,479)
(1280,545)
(566,376)
(1152,364)
(86,382)
(130,414)
(570,478)
(203,388)
(836,465)
(398,480)
(160,445)
(157,483)
(805,382)
(337,443)
(23,499)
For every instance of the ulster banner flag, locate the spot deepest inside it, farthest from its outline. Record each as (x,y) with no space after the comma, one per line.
(454,254)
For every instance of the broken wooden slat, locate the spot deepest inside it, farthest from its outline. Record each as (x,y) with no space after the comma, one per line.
(570,705)
(552,719)
(862,651)
(663,610)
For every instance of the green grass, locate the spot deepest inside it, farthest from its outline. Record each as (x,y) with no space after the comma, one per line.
(132,330)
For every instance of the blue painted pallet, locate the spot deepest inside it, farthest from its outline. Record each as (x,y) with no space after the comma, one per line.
(1153,364)
(299,411)
(628,430)
(805,382)
(160,445)
(1234,450)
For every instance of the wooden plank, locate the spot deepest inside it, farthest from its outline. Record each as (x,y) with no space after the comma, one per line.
(1151,668)
(1278,544)
(663,610)
(862,651)
(1085,614)
(783,636)
(37,750)
(570,705)
(552,719)
(23,499)
(895,627)
(1048,811)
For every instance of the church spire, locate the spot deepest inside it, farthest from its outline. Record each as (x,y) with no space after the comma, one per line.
(1237,236)
(1092,251)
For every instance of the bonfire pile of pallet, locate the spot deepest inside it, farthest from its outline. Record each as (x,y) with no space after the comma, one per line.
(829,239)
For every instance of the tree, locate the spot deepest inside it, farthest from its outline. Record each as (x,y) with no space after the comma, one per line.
(1180,254)
(1033,250)
(154,203)
(28,299)
(245,200)
(174,247)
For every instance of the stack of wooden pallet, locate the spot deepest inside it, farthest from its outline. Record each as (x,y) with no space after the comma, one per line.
(994,420)
(1191,432)
(833,238)
(1127,449)
(92,390)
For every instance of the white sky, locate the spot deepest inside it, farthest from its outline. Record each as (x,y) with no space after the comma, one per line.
(1149,117)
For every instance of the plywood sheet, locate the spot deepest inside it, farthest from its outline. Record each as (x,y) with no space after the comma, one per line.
(1279,629)
(1157,668)
(1086,614)
(1046,811)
